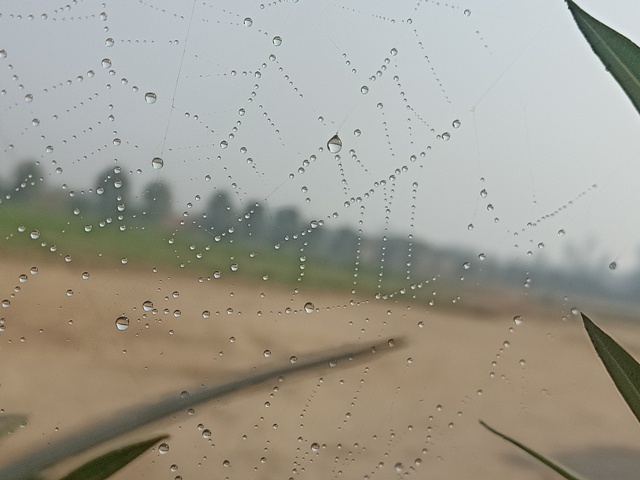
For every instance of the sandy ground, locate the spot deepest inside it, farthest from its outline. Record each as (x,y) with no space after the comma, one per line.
(412,412)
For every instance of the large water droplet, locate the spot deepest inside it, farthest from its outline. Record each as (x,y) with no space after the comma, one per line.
(109,42)
(248,22)
(613,266)
(106,63)
(147,305)
(122,323)
(456,124)
(277,41)
(309,307)
(150,97)
(334,144)
(364,90)
(163,448)
(157,163)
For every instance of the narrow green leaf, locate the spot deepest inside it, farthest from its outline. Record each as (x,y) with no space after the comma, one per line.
(618,54)
(8,423)
(106,465)
(622,367)
(129,420)
(566,472)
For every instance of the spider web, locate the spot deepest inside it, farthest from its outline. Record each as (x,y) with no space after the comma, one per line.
(251,182)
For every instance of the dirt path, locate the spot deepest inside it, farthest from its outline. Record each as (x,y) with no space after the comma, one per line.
(64,363)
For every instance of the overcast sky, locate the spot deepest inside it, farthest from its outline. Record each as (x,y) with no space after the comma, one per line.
(541,127)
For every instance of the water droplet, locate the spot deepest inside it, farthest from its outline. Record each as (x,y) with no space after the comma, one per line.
(517,319)
(35,234)
(466,265)
(613,266)
(157,163)
(247,22)
(483,193)
(266,353)
(106,63)
(561,233)
(163,448)
(122,323)
(147,305)
(334,144)
(399,468)
(309,307)
(467,12)
(150,97)
(357,132)
(35,122)
(28,98)
(315,447)
(109,42)
(224,144)
(85,275)
(3,54)
(456,123)
(206,433)
(446,136)
(234,267)
(277,41)
(364,90)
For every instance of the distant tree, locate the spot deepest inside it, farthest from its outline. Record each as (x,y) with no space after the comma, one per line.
(112,191)
(28,182)
(156,201)
(253,224)
(219,214)
(343,244)
(286,223)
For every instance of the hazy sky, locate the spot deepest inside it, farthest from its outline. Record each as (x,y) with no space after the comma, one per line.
(540,121)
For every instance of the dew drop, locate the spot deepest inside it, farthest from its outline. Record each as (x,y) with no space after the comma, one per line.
(163,448)
(35,234)
(517,320)
(157,163)
(613,266)
(247,22)
(147,305)
(277,41)
(467,13)
(309,307)
(106,63)
(364,90)
(357,132)
(561,233)
(456,123)
(315,447)
(109,42)
(122,323)
(334,144)
(266,353)
(150,97)
(446,136)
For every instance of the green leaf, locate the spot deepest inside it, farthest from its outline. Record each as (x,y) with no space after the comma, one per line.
(619,54)
(622,367)
(106,465)
(566,472)
(8,423)
(129,420)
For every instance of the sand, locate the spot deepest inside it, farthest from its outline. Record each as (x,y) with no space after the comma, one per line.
(412,412)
